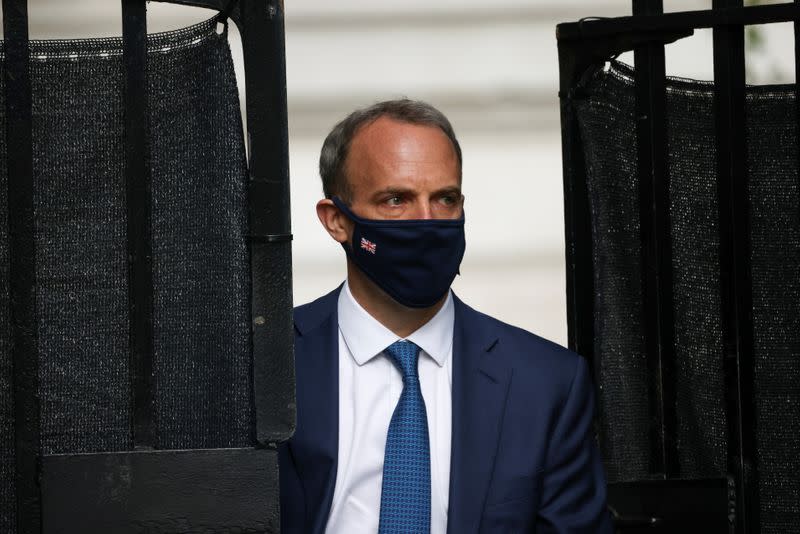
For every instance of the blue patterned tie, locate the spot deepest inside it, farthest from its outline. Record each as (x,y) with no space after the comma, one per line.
(406,493)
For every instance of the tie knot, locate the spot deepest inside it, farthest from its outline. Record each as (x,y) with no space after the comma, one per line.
(404,355)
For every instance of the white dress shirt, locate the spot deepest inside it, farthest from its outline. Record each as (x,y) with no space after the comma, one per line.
(369,388)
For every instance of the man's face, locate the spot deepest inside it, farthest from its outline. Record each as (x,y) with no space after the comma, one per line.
(398,170)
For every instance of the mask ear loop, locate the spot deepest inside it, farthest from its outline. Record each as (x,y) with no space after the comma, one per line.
(339,203)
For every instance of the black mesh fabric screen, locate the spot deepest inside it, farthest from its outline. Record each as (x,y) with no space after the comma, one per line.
(608,135)
(7,498)
(201,282)
(775,195)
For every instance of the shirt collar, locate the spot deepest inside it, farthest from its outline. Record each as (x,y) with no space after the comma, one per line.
(365,337)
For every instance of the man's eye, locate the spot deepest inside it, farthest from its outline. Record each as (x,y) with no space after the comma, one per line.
(394,201)
(448,200)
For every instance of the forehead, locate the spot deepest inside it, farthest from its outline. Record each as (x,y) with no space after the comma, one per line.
(391,152)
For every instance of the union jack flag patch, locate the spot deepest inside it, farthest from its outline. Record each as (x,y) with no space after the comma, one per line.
(368,245)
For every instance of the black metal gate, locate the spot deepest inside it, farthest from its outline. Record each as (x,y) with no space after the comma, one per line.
(146,363)
(682,205)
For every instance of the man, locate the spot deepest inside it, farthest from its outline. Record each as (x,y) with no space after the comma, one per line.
(416,413)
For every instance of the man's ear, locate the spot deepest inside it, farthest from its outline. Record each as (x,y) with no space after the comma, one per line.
(334,221)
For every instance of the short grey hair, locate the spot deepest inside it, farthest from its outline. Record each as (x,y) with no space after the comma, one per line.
(334,152)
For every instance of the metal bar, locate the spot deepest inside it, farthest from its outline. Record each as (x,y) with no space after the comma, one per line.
(262,31)
(578,59)
(797,89)
(656,253)
(22,271)
(577,224)
(22,268)
(137,180)
(724,16)
(217,5)
(696,506)
(150,492)
(735,277)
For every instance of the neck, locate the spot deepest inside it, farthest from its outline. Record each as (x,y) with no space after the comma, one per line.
(401,320)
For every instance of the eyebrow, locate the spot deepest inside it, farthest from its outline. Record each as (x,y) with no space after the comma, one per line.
(449,190)
(390,191)
(401,191)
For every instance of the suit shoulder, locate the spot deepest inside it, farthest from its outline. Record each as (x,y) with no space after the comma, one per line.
(308,316)
(541,361)
(531,352)
(309,308)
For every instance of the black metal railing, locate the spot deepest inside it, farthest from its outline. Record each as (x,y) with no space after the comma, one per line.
(54,490)
(584,48)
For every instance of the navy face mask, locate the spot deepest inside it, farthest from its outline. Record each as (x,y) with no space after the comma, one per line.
(414,261)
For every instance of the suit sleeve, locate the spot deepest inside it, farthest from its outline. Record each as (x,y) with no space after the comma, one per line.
(292,498)
(574,486)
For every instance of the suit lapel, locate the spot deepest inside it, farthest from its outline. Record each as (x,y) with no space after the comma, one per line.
(316,442)
(480,385)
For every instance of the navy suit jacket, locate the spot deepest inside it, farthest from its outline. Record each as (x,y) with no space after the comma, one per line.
(523,457)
